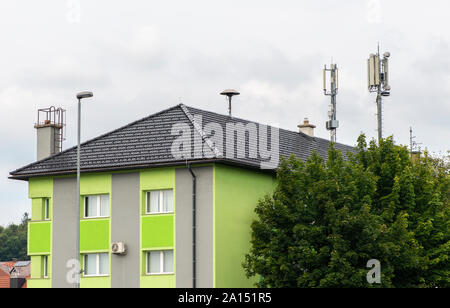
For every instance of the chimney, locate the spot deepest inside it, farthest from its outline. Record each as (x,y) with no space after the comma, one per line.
(415,156)
(49,126)
(307,128)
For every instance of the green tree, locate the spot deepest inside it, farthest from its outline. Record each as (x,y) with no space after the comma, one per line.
(13,241)
(327,219)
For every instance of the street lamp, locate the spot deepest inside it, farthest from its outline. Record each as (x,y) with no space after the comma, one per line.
(80,96)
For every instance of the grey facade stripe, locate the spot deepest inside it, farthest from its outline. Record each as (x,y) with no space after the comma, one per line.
(183,227)
(125,223)
(64,229)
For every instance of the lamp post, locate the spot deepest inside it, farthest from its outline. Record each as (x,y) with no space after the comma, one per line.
(80,96)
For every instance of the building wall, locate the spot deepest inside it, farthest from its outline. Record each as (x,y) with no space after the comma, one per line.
(64,230)
(204,233)
(157,230)
(226,198)
(40,231)
(125,221)
(95,233)
(236,194)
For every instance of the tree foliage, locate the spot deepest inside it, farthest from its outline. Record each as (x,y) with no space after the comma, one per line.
(13,241)
(327,219)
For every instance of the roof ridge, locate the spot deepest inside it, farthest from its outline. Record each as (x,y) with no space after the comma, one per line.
(201,132)
(313,138)
(96,138)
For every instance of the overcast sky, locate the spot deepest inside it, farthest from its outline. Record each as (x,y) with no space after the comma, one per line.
(140,57)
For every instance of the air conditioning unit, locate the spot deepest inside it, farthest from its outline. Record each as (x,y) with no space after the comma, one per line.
(118,248)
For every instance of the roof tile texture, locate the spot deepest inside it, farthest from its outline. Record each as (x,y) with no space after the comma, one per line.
(148,141)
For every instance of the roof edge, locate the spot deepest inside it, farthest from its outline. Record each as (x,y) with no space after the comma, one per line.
(144,166)
(12,173)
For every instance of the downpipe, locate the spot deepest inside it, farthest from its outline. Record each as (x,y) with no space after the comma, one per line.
(194,227)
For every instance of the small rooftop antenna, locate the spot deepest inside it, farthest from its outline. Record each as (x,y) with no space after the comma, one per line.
(378,82)
(229,93)
(331,74)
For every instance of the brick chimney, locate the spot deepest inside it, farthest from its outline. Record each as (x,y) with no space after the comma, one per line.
(49,127)
(307,128)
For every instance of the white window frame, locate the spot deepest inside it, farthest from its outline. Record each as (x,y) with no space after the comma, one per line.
(161,262)
(45,273)
(46,208)
(99,202)
(97,274)
(161,202)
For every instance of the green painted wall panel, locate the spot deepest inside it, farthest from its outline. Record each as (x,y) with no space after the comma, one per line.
(37,209)
(95,282)
(158,281)
(36,267)
(39,283)
(236,195)
(39,233)
(94,235)
(39,237)
(157,231)
(160,178)
(95,183)
(40,187)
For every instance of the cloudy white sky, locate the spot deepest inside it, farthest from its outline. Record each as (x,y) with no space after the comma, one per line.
(139,57)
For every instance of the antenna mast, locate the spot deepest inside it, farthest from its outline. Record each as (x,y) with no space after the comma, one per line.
(413,145)
(378,82)
(332,74)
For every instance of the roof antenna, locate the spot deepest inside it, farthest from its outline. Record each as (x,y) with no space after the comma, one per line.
(230,93)
(332,75)
(414,147)
(378,82)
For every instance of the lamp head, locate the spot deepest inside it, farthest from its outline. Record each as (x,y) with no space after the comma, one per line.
(230,93)
(86,94)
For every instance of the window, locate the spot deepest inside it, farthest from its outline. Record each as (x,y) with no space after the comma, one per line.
(45,266)
(160,262)
(96,264)
(159,201)
(96,206)
(47,209)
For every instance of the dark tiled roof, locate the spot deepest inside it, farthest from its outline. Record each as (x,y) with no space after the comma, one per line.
(148,142)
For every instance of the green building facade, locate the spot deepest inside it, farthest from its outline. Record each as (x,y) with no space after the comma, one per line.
(223,231)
